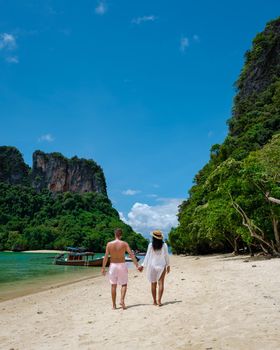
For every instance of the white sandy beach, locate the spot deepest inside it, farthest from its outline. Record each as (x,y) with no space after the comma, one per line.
(39,251)
(43,251)
(212,302)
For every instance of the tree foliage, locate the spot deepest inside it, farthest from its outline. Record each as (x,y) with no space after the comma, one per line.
(233,203)
(31,220)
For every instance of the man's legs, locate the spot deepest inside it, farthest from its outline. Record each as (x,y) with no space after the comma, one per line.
(123,293)
(154,292)
(161,287)
(114,294)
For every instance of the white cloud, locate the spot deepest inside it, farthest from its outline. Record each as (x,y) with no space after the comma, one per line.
(184,43)
(210,133)
(46,137)
(142,19)
(152,195)
(8,44)
(12,59)
(130,192)
(196,38)
(101,8)
(7,41)
(145,218)
(122,217)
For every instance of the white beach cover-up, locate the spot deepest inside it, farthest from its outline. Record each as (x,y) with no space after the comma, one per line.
(155,262)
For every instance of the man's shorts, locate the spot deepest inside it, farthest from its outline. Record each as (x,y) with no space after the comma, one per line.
(118,273)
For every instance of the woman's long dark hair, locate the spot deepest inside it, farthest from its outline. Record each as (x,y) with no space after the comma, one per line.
(157,243)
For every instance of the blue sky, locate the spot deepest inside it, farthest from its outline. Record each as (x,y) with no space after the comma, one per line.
(142,87)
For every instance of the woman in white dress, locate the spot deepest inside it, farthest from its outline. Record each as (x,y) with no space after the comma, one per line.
(157,264)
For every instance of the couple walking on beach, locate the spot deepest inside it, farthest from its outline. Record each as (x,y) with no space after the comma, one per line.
(156,262)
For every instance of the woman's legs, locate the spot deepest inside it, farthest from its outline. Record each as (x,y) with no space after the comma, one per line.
(161,286)
(154,292)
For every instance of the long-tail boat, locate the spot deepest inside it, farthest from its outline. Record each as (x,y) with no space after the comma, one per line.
(78,257)
(81,257)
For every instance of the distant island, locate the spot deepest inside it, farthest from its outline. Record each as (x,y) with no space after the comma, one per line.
(59,202)
(234,203)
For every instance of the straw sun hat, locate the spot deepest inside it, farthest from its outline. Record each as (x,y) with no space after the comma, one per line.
(157,234)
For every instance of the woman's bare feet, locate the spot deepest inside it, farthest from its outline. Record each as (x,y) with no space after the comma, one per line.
(114,307)
(155,303)
(159,303)
(122,304)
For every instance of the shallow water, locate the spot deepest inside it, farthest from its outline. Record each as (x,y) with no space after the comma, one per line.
(25,273)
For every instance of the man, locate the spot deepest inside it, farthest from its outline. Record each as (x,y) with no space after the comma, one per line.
(118,273)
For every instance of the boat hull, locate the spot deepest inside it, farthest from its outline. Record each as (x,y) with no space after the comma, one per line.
(90,263)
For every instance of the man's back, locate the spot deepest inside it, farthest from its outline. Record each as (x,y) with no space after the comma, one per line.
(118,273)
(117,249)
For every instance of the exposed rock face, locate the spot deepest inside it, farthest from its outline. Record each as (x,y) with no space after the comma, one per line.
(256,110)
(13,170)
(262,65)
(59,174)
(51,171)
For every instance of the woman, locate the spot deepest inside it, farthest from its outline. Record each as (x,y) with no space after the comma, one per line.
(157,264)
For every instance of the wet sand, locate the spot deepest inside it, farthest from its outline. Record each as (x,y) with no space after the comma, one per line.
(212,302)
(24,288)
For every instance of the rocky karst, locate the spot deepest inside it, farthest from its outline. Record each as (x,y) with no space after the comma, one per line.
(51,171)
(60,174)
(13,170)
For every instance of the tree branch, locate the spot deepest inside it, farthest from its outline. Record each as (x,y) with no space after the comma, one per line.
(274,200)
(247,222)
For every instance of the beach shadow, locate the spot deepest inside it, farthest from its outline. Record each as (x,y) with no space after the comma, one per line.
(163,304)
(244,258)
(171,302)
(234,258)
(135,305)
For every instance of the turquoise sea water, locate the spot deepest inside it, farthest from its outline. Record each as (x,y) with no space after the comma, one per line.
(24,273)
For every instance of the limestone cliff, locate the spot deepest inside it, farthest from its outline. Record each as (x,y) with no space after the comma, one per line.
(262,63)
(60,174)
(58,203)
(13,170)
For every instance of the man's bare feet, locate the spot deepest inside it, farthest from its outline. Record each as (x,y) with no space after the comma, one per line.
(155,303)
(159,303)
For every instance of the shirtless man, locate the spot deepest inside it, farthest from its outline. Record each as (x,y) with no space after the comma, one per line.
(118,273)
